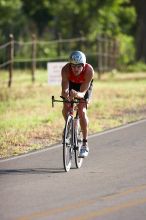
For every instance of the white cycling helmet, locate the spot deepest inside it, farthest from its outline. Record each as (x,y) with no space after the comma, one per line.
(77,57)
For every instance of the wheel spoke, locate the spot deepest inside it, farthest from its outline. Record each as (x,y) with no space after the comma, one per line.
(67,145)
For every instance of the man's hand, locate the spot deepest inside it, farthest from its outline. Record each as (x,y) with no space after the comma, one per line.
(73,94)
(65,94)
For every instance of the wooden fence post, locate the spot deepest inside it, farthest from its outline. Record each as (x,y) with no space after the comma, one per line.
(33,67)
(115,52)
(99,57)
(110,54)
(11,59)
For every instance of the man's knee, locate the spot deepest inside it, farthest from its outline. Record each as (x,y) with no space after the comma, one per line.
(82,112)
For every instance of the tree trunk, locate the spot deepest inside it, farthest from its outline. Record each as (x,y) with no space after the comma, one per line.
(140,6)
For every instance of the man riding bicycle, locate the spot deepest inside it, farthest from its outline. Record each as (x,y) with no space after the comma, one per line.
(77,77)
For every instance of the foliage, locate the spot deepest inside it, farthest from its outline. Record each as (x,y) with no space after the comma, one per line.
(39,13)
(11,19)
(127,49)
(138,66)
(70,18)
(48,19)
(117,20)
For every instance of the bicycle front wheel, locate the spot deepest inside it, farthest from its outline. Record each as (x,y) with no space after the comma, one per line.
(78,141)
(67,144)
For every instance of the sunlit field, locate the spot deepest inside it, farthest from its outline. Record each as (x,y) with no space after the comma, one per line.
(28,121)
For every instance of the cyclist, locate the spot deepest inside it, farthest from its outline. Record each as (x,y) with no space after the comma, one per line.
(77,78)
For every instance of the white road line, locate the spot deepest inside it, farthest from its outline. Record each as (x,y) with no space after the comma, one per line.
(118,128)
(51,147)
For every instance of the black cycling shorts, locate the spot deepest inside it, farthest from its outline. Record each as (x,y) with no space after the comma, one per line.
(76,87)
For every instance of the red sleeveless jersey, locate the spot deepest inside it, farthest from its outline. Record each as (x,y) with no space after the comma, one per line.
(80,78)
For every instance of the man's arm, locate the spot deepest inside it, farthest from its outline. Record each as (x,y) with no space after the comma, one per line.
(65,83)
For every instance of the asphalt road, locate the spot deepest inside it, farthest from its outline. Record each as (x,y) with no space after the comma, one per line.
(111,184)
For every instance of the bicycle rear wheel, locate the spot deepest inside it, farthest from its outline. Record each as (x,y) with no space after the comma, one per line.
(78,141)
(67,144)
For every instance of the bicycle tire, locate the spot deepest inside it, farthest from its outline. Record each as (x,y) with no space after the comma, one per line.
(67,144)
(78,143)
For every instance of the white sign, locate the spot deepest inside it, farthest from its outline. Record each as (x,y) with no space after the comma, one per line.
(54,72)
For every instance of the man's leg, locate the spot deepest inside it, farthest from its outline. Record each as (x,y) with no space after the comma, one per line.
(65,110)
(83,119)
(84,126)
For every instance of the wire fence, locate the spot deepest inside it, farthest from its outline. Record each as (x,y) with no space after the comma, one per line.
(102,53)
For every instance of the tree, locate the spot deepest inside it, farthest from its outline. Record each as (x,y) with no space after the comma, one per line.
(40,14)
(140,6)
(11,19)
(49,18)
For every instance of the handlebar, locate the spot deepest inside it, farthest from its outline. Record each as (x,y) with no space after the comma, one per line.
(64,100)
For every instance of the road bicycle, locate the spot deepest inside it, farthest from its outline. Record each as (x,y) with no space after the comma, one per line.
(72,134)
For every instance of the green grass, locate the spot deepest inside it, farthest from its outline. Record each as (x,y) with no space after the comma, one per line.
(28,121)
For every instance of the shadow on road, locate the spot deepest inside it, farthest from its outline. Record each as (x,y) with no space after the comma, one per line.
(30,171)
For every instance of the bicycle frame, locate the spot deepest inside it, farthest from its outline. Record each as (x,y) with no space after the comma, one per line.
(71,110)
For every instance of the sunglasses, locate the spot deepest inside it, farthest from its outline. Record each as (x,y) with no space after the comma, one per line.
(76,65)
